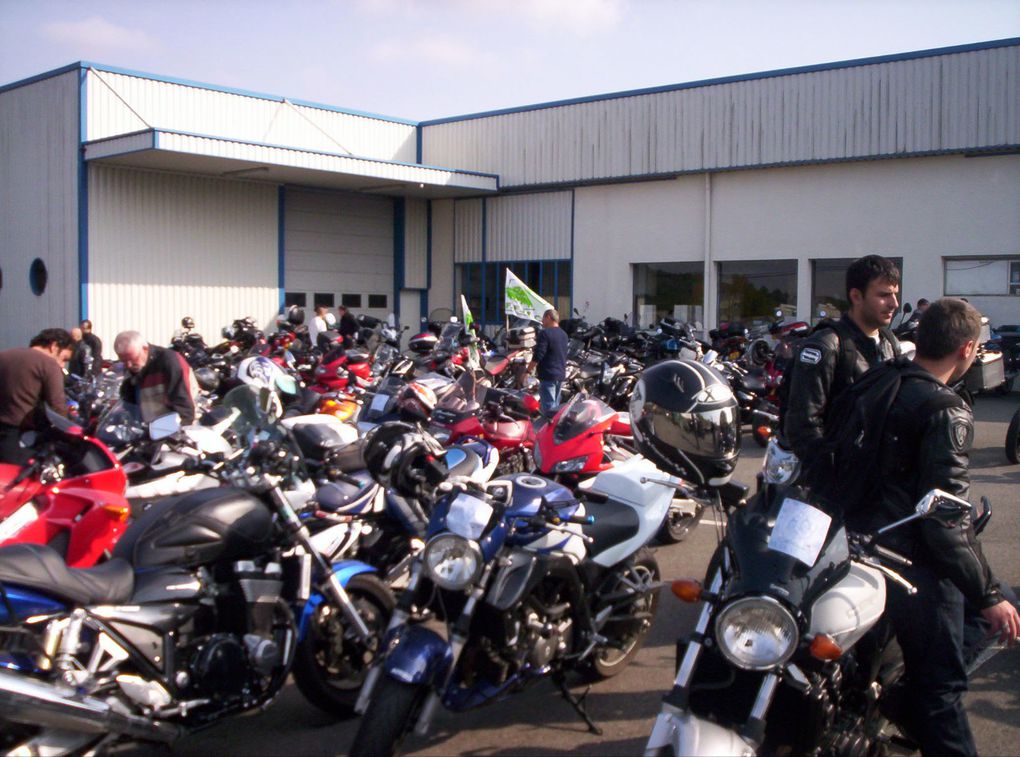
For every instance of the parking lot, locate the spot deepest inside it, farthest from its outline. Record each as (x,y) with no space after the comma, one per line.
(539,722)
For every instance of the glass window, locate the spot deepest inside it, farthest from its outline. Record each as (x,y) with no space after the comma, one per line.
(828,286)
(350,300)
(550,279)
(564,276)
(323,298)
(669,289)
(982,276)
(37,277)
(295,298)
(377,301)
(750,291)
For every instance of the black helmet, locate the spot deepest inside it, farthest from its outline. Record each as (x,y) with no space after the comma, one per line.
(295,315)
(686,420)
(403,459)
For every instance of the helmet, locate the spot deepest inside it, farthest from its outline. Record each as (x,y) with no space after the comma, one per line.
(261,372)
(295,315)
(188,322)
(401,458)
(686,420)
(416,403)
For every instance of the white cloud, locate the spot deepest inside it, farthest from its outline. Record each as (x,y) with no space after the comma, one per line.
(580,17)
(98,35)
(438,50)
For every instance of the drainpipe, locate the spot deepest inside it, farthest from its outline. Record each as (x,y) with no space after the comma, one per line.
(711,294)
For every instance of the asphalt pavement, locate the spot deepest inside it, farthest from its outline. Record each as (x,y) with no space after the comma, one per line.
(538,722)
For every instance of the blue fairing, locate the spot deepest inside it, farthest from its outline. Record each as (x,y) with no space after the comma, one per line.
(25,604)
(418,655)
(345,571)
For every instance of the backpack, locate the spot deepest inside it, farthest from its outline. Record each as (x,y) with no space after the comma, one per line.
(848,472)
(846,361)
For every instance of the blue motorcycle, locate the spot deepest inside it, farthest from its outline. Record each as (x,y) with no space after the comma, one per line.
(529,581)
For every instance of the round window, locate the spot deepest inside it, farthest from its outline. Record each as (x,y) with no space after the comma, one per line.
(37,277)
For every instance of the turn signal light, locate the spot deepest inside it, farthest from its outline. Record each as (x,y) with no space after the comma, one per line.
(687,589)
(824,647)
(120,513)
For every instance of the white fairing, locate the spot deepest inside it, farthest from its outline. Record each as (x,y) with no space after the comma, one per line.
(347,432)
(636,483)
(201,439)
(567,540)
(847,610)
(685,734)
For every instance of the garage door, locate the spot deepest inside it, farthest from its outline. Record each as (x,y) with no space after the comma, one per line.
(338,250)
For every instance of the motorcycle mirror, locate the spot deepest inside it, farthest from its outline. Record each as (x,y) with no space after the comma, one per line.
(28,439)
(779,313)
(907,308)
(164,426)
(943,507)
(822,313)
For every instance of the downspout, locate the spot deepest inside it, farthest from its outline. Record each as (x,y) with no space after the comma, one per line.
(710,300)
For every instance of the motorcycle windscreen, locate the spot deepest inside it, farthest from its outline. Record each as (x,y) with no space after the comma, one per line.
(581,414)
(759,569)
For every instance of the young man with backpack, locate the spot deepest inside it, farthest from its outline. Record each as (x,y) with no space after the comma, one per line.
(896,434)
(837,353)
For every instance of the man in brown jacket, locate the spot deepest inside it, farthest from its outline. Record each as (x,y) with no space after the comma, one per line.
(29,377)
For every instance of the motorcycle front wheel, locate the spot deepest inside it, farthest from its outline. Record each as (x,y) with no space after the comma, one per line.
(389,718)
(678,524)
(1013,439)
(331,661)
(627,632)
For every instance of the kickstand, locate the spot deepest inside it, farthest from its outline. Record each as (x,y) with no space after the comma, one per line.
(577,702)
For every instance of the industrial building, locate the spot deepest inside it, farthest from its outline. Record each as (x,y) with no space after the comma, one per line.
(135,199)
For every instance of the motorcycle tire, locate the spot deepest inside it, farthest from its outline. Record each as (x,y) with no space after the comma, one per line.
(677,526)
(611,659)
(1013,439)
(330,667)
(389,718)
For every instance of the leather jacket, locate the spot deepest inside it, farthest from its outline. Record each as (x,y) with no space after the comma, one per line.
(926,445)
(820,372)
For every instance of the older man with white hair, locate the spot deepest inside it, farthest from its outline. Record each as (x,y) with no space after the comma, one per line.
(158,380)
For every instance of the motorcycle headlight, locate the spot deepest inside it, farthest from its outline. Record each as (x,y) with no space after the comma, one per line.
(452,562)
(756,633)
(573,465)
(781,465)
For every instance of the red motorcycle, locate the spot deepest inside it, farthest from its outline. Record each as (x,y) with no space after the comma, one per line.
(70,495)
(584,437)
(342,370)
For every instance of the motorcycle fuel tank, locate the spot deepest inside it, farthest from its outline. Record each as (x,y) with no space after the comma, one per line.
(850,607)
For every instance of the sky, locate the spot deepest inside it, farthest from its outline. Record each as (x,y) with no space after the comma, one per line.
(424,59)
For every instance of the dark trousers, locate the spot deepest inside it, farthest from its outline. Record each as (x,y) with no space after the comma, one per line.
(930,629)
(11,451)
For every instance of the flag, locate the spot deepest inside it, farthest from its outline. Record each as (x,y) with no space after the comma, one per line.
(468,320)
(520,301)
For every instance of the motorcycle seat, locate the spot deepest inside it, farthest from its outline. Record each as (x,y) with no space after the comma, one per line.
(347,496)
(462,462)
(39,567)
(614,523)
(357,357)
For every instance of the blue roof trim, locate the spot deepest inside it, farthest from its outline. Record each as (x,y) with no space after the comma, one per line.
(934,52)
(40,77)
(157,132)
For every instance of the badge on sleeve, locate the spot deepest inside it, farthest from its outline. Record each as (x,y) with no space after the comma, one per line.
(811,356)
(960,433)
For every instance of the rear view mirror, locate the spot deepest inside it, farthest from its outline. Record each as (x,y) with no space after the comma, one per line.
(164,426)
(943,507)
(907,308)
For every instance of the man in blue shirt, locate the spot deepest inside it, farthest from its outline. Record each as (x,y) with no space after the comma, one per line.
(550,357)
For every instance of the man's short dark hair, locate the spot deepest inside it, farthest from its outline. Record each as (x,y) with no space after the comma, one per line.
(946,326)
(86,325)
(46,337)
(870,268)
(922,302)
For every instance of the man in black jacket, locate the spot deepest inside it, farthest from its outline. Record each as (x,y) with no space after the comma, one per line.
(159,381)
(833,358)
(348,326)
(925,445)
(95,345)
(550,359)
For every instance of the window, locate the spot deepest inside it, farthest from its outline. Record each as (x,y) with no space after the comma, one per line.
(325,299)
(377,301)
(982,276)
(482,285)
(828,286)
(750,291)
(295,298)
(37,277)
(673,289)
(350,300)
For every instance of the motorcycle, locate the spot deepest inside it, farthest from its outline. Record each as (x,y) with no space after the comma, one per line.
(530,583)
(203,611)
(1013,439)
(776,663)
(69,496)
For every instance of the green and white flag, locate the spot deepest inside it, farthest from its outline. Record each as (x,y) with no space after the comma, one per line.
(520,301)
(468,320)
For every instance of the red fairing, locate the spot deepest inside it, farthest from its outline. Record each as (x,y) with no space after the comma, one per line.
(578,430)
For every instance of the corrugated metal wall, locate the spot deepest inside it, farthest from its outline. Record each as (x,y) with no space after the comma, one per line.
(416,253)
(467,231)
(529,227)
(950,102)
(163,246)
(38,206)
(339,243)
(120,104)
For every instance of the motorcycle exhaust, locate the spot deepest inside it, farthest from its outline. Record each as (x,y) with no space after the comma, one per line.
(33,702)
